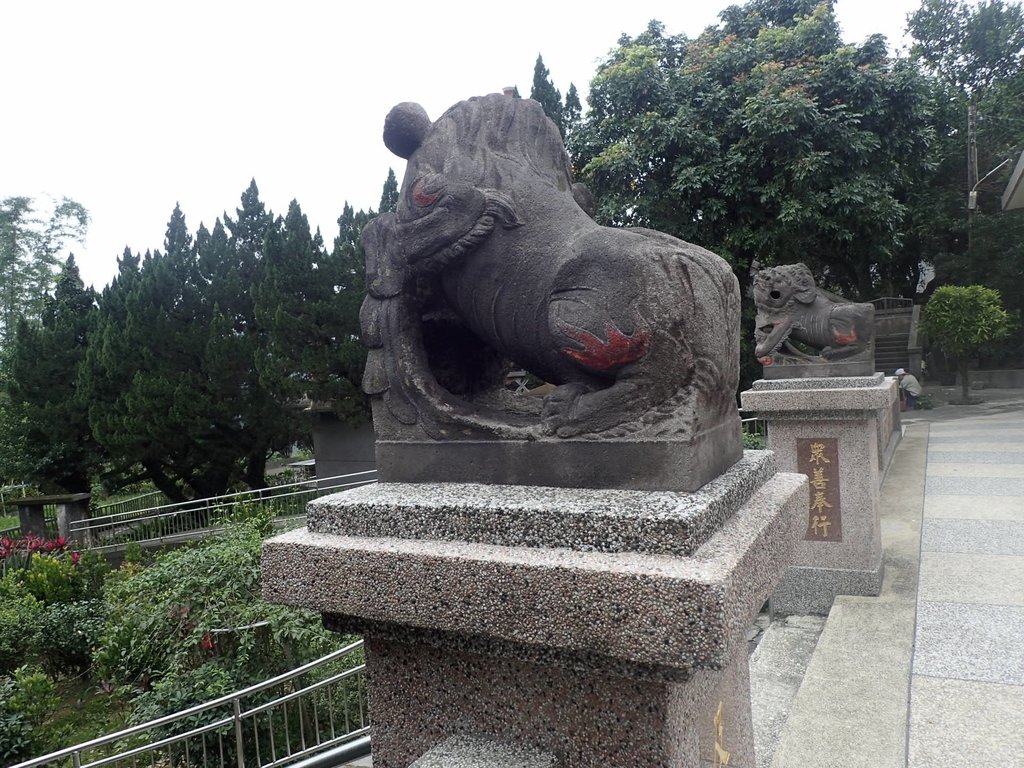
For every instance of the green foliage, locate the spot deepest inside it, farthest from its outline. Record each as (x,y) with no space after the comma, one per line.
(389,195)
(67,634)
(962,319)
(169,370)
(26,700)
(51,579)
(544,91)
(753,441)
(45,406)
(308,301)
(970,45)
(198,606)
(769,141)
(19,618)
(30,246)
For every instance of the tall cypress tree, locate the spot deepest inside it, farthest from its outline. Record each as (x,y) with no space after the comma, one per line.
(544,91)
(46,405)
(173,361)
(389,196)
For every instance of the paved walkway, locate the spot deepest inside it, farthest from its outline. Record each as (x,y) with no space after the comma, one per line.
(929,674)
(967,684)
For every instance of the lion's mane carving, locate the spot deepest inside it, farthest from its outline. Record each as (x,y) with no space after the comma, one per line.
(791,308)
(489,257)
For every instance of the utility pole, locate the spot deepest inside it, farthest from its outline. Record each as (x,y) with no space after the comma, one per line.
(972,157)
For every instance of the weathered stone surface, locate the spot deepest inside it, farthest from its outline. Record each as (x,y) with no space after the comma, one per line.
(663,612)
(519,516)
(853,413)
(476,752)
(791,308)
(488,259)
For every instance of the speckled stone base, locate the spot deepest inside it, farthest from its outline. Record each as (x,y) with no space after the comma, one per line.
(503,621)
(811,591)
(476,752)
(421,696)
(858,414)
(581,519)
(862,365)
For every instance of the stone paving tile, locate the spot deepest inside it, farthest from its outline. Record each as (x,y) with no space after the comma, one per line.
(1013,425)
(973,457)
(974,486)
(993,470)
(983,436)
(955,723)
(966,578)
(970,642)
(975,507)
(991,446)
(982,537)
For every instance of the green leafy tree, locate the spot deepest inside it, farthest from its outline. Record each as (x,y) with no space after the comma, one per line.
(975,53)
(971,45)
(768,140)
(544,91)
(30,255)
(198,611)
(962,321)
(46,409)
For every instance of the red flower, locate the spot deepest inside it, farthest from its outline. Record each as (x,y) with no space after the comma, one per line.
(207,642)
(75,557)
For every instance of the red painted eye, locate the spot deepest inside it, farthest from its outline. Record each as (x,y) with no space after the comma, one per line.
(421,197)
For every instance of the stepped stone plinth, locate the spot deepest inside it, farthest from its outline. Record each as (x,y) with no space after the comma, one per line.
(605,628)
(840,433)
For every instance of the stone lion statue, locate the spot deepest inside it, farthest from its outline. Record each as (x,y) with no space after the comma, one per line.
(791,308)
(490,261)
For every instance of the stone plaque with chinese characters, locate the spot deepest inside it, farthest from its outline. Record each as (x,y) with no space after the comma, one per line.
(818,458)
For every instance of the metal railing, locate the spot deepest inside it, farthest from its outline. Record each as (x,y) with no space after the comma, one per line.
(889,303)
(313,708)
(171,523)
(49,523)
(134,504)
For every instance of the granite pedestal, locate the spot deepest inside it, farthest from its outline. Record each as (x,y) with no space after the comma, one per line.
(839,432)
(582,627)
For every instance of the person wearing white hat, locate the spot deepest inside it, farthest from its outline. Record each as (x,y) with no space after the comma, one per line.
(910,389)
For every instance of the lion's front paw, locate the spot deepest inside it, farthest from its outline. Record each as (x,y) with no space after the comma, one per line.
(558,415)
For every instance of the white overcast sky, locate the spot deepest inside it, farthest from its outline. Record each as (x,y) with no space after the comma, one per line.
(130,107)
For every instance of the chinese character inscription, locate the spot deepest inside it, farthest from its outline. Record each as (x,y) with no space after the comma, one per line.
(818,458)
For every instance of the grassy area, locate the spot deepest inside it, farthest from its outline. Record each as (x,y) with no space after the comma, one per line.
(85,712)
(8,521)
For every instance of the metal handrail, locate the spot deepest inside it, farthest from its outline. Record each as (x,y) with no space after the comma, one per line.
(222,500)
(238,714)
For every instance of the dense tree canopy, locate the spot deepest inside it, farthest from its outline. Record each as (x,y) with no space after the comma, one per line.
(767,140)
(46,408)
(976,55)
(196,362)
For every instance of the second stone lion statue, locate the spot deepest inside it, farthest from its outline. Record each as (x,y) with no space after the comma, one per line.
(792,310)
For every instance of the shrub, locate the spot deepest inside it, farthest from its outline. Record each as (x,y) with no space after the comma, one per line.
(67,634)
(19,620)
(26,700)
(52,579)
(178,614)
